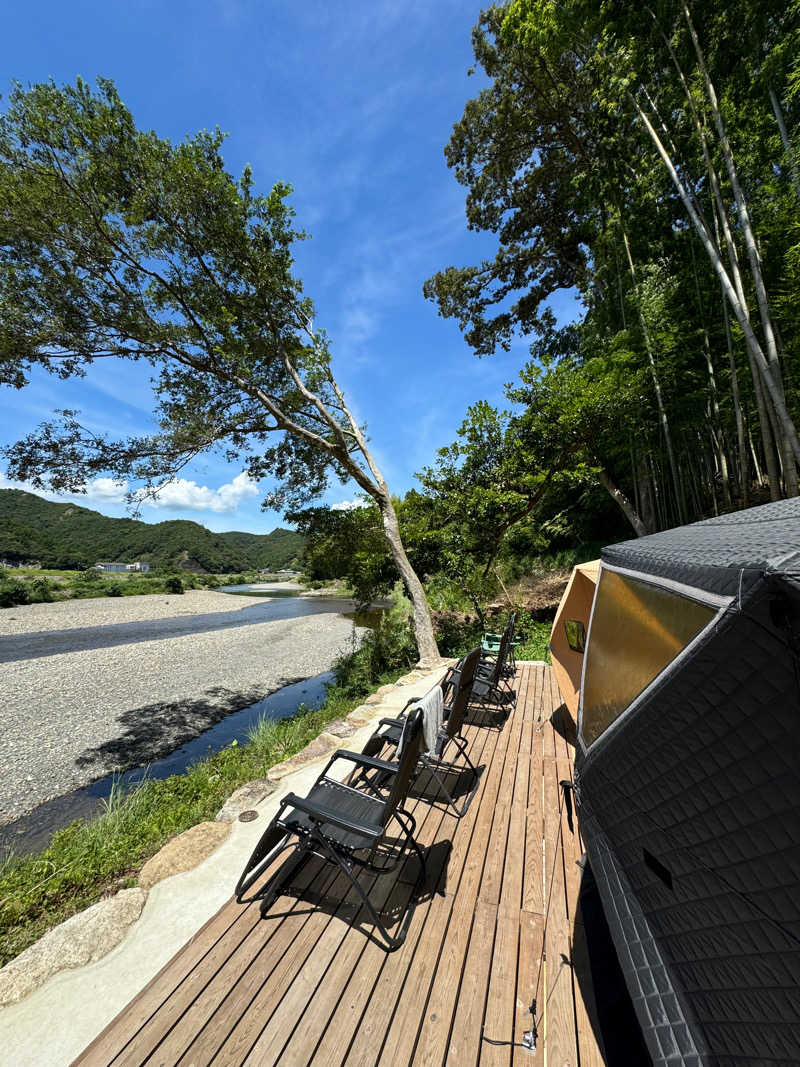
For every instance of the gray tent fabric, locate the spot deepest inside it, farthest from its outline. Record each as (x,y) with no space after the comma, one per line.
(726,555)
(691,806)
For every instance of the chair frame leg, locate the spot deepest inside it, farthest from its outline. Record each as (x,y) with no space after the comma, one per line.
(346,863)
(434,766)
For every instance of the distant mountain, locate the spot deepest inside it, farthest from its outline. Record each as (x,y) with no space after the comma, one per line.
(66,535)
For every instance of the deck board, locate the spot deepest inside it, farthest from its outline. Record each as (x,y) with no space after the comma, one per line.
(498,926)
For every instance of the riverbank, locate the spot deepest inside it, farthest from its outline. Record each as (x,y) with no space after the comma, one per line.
(115,947)
(110,611)
(91,859)
(72,713)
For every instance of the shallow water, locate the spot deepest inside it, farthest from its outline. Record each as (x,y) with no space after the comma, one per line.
(33,832)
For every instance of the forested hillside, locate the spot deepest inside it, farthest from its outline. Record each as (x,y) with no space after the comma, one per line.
(279,548)
(65,535)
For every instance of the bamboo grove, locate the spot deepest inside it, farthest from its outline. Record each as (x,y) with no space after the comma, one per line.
(645,156)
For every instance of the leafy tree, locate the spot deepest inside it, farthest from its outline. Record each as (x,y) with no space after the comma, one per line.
(115,242)
(643,154)
(349,544)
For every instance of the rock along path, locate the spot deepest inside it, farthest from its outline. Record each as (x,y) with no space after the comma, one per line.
(90,686)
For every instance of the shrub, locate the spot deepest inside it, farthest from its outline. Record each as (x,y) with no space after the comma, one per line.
(173,584)
(13,593)
(389,646)
(42,590)
(89,577)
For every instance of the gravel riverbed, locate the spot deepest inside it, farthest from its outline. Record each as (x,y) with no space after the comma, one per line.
(70,716)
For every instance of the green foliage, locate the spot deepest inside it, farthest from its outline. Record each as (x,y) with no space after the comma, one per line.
(277,550)
(558,165)
(534,640)
(388,646)
(118,242)
(12,593)
(457,634)
(173,584)
(42,590)
(126,243)
(347,544)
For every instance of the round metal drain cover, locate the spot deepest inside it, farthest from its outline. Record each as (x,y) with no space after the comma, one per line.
(248,816)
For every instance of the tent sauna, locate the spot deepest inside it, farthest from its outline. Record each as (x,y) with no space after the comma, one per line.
(688,782)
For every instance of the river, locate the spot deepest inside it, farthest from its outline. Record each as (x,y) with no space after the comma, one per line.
(32,832)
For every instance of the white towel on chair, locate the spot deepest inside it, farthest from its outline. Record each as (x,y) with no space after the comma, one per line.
(432,705)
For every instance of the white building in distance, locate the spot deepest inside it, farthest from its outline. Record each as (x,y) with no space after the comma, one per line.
(122,568)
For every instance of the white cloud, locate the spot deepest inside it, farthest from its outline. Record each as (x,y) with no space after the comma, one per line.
(106,490)
(183,495)
(177,495)
(350,505)
(100,490)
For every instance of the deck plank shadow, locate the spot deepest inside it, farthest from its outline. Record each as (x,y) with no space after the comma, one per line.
(497,928)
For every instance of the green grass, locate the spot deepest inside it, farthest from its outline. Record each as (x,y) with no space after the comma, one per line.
(91,858)
(21,586)
(457,637)
(535,642)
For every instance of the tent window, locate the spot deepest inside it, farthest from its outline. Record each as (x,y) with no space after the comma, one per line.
(576,634)
(637,630)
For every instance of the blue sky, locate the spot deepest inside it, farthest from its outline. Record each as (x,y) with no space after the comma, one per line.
(352,103)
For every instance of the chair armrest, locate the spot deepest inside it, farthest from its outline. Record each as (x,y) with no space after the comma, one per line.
(392,722)
(362,761)
(321,813)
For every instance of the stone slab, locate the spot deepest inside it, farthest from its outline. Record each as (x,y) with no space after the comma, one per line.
(246,797)
(184,852)
(83,938)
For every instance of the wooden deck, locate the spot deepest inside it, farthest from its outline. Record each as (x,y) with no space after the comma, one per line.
(307,985)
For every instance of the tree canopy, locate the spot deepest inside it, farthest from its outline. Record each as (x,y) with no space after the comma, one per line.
(644,156)
(115,242)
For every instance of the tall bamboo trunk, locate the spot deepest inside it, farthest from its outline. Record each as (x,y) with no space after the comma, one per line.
(754,454)
(754,347)
(782,435)
(744,465)
(794,170)
(662,411)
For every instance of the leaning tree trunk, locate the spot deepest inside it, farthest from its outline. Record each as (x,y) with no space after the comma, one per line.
(377,488)
(623,502)
(423,624)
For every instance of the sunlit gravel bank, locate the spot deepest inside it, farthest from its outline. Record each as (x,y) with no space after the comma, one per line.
(70,718)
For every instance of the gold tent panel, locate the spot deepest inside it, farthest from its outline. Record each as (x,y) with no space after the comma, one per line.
(568,637)
(638,629)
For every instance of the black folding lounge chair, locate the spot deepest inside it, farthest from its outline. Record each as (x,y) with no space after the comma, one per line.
(456,687)
(490,645)
(345,826)
(491,688)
